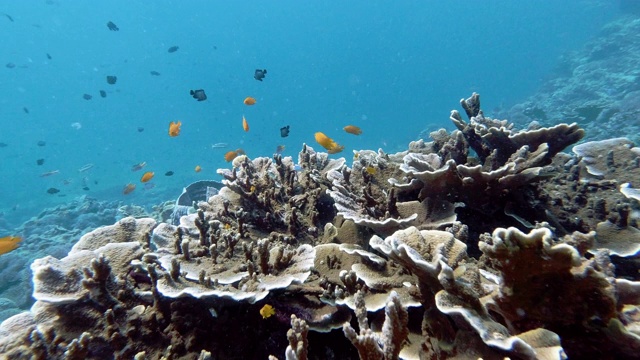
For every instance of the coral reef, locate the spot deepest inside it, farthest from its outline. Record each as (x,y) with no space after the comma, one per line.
(486,242)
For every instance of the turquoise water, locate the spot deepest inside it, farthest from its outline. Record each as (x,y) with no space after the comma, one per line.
(392,68)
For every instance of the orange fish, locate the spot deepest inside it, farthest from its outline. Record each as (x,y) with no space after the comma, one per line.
(249,101)
(128,188)
(230,155)
(198,168)
(328,143)
(245,124)
(147,176)
(9,243)
(174,128)
(352,129)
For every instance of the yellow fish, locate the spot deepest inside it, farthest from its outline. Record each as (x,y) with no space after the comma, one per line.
(267,311)
(10,243)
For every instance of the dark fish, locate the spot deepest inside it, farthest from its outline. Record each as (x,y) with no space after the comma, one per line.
(42,143)
(154,73)
(103,93)
(40,161)
(87,97)
(3,144)
(198,94)
(86,188)
(9,17)
(49,56)
(284,131)
(26,111)
(10,65)
(53,191)
(168,173)
(260,74)
(140,129)
(173,49)
(112,26)
(111,79)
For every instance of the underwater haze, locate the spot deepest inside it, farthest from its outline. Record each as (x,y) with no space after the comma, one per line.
(394,69)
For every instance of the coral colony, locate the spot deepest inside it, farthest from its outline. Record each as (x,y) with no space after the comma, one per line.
(485,242)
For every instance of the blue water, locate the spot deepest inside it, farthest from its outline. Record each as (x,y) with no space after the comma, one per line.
(394,68)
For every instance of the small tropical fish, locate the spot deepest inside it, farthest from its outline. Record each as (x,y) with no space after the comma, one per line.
(25,109)
(352,129)
(9,243)
(8,17)
(49,173)
(147,176)
(42,143)
(284,131)
(174,128)
(111,79)
(3,144)
(168,173)
(198,94)
(112,26)
(197,168)
(245,124)
(85,167)
(328,143)
(40,161)
(87,97)
(241,151)
(53,191)
(259,74)
(230,155)
(140,129)
(173,49)
(149,186)
(128,188)
(280,149)
(76,125)
(103,93)
(139,166)
(219,145)
(267,311)
(249,101)
(154,73)
(49,56)
(371,170)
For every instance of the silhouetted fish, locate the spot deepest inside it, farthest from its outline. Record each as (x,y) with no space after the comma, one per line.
(154,73)
(49,56)
(87,97)
(260,74)
(173,49)
(284,131)
(103,93)
(9,17)
(111,79)
(53,191)
(26,111)
(168,173)
(198,94)
(112,26)
(42,143)
(3,144)
(40,161)
(10,65)
(140,129)
(85,188)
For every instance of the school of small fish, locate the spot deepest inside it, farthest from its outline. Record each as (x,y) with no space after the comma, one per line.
(174,130)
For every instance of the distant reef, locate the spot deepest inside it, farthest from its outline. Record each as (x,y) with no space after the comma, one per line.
(597,86)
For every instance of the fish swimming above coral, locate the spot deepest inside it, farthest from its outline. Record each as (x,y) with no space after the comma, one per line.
(174,128)
(147,176)
(352,129)
(198,94)
(328,143)
(138,166)
(173,49)
(9,243)
(267,311)
(284,131)
(128,188)
(111,79)
(249,101)
(260,74)
(245,124)
(112,26)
